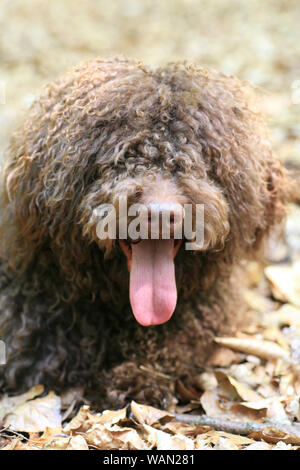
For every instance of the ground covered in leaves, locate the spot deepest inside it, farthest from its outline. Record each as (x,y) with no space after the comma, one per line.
(249,395)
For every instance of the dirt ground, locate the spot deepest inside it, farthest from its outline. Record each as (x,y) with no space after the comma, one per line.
(258,41)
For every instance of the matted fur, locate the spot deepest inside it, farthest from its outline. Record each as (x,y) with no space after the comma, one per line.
(111,128)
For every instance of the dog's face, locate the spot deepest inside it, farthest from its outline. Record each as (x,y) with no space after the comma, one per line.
(150,218)
(165,138)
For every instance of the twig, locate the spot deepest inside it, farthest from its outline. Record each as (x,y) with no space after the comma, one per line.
(155,372)
(243,429)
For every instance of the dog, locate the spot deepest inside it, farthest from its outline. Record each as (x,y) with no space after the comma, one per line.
(127,318)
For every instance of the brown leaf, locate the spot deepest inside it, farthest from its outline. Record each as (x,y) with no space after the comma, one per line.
(164,441)
(206,380)
(186,392)
(223,357)
(234,389)
(210,402)
(273,436)
(83,420)
(286,315)
(285,282)
(36,415)
(149,415)
(8,404)
(256,347)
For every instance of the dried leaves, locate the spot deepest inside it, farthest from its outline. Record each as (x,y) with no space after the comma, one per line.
(285,282)
(256,347)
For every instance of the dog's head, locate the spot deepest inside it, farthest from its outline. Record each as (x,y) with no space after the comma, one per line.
(168,139)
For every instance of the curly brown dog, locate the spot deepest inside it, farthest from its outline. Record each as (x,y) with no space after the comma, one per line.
(111,128)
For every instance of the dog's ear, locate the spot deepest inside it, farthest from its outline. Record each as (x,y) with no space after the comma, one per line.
(258,190)
(237,151)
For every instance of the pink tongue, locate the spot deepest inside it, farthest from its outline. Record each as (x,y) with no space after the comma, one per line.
(153,293)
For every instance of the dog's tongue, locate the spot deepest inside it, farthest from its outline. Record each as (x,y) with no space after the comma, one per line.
(153,293)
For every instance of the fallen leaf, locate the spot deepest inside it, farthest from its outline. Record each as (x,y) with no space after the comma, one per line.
(210,402)
(186,393)
(77,443)
(286,315)
(114,437)
(276,411)
(214,437)
(164,441)
(148,414)
(258,446)
(36,415)
(223,357)
(206,380)
(243,392)
(285,282)
(111,417)
(83,420)
(273,436)
(8,404)
(256,347)
(226,444)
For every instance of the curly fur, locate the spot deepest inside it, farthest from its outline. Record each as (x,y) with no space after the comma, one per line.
(109,128)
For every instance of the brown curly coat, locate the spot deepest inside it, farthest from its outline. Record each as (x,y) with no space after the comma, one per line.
(109,128)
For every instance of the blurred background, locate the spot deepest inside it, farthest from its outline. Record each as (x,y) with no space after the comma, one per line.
(256,40)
